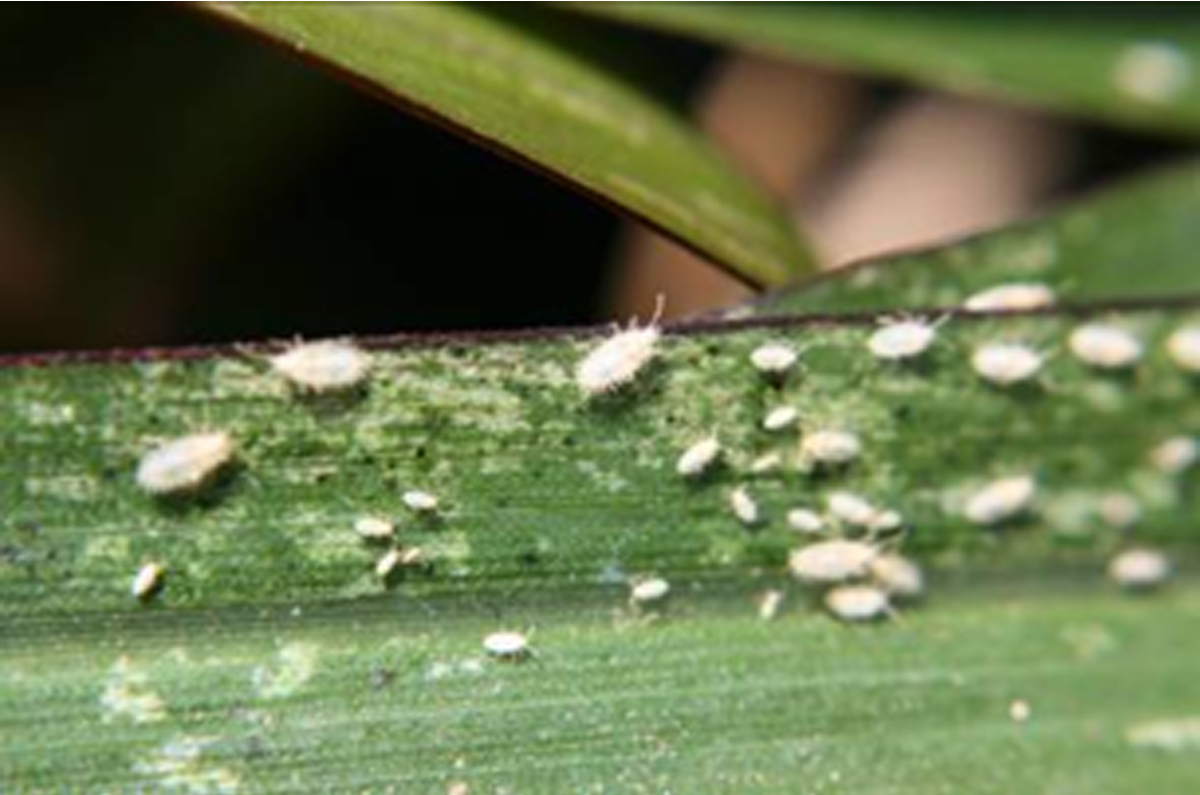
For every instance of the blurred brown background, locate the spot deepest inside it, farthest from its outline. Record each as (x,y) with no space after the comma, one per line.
(166,181)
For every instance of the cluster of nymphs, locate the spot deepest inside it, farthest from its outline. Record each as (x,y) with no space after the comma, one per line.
(852,551)
(185,466)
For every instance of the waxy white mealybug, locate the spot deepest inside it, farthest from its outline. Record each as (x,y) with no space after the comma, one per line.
(1119,510)
(767,462)
(1153,72)
(897,576)
(507,645)
(147,581)
(1014,297)
(773,359)
(780,418)
(769,604)
(829,448)
(1175,455)
(649,590)
(419,501)
(1183,346)
(852,509)
(857,603)
(806,521)
(372,528)
(185,464)
(1005,363)
(697,459)
(619,360)
(1139,569)
(905,339)
(1105,347)
(1019,711)
(324,366)
(1001,500)
(744,507)
(829,562)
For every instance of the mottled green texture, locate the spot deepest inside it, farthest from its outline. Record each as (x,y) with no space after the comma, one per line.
(275,659)
(1136,241)
(1061,57)
(552,100)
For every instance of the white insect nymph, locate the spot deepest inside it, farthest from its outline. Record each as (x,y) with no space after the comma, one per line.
(1001,500)
(651,589)
(900,340)
(773,358)
(618,360)
(372,528)
(1153,72)
(857,603)
(147,581)
(830,562)
(1005,364)
(1183,346)
(897,576)
(1139,569)
(806,521)
(419,501)
(697,459)
(1105,347)
(744,507)
(852,509)
(1175,455)
(780,418)
(829,448)
(507,645)
(185,464)
(324,366)
(1014,297)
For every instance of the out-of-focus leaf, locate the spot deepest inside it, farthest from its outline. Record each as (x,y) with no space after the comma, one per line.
(1128,64)
(528,92)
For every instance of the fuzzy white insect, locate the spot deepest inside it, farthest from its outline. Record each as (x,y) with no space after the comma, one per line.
(829,562)
(857,603)
(1176,455)
(855,510)
(1119,510)
(1019,711)
(324,366)
(897,576)
(147,580)
(419,501)
(185,464)
(1183,346)
(651,589)
(806,521)
(618,360)
(1014,297)
(773,358)
(507,645)
(905,339)
(780,418)
(1001,500)
(697,459)
(372,528)
(1139,569)
(1154,72)
(387,565)
(767,462)
(1005,364)
(769,604)
(830,448)
(744,507)
(1105,347)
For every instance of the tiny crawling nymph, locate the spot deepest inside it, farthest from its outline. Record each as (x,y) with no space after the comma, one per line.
(373,528)
(1183,346)
(829,448)
(699,457)
(507,645)
(650,590)
(420,501)
(619,360)
(780,418)
(186,464)
(744,507)
(773,359)
(324,366)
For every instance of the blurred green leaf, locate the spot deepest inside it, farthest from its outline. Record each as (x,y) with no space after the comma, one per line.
(531,92)
(1128,64)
